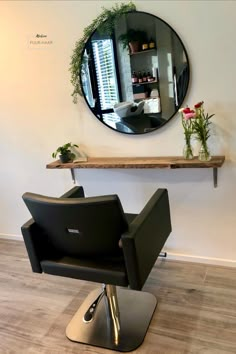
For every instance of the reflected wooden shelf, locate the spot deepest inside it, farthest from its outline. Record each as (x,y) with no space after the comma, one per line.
(145,83)
(143,51)
(171,162)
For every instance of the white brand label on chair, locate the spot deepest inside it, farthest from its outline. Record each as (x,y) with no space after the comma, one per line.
(73,231)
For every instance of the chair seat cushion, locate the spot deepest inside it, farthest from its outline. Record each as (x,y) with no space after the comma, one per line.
(109,270)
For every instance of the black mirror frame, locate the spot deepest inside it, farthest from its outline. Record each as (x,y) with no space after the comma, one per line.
(180,104)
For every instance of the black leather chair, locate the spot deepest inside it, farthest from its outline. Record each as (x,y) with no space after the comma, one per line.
(93,239)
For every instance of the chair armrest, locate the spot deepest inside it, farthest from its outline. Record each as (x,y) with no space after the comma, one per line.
(36,241)
(31,235)
(37,245)
(146,237)
(75,192)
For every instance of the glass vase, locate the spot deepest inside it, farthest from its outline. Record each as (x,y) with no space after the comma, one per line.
(188,152)
(204,152)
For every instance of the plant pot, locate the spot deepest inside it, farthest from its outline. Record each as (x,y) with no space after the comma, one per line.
(65,158)
(134,47)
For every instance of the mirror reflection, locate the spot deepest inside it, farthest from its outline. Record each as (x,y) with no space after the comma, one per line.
(135,80)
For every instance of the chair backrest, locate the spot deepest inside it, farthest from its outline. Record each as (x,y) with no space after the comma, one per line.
(79,226)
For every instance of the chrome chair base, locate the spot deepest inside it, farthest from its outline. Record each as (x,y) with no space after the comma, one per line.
(124,331)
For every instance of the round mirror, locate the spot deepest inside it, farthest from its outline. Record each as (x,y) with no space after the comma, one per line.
(135,79)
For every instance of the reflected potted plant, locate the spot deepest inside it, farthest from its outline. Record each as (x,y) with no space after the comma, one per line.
(65,154)
(133,39)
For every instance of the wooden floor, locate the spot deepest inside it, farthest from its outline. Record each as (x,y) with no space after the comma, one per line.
(196,310)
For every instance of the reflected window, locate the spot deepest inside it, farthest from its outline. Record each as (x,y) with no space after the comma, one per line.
(111,119)
(86,81)
(105,69)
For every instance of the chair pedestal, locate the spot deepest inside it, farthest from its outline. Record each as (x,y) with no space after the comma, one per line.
(135,313)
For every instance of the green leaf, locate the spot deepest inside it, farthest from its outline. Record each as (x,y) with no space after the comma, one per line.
(64,149)
(105,22)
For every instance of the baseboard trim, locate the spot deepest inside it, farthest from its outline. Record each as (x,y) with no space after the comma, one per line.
(199,259)
(11,237)
(170,255)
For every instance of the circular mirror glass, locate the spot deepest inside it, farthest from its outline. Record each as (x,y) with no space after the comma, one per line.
(135,79)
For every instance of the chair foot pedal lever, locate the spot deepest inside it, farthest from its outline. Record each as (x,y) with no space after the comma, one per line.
(163,254)
(89,315)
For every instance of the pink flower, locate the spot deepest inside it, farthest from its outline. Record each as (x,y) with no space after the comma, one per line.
(189,115)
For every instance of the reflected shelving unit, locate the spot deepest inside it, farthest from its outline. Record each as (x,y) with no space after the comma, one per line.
(145,61)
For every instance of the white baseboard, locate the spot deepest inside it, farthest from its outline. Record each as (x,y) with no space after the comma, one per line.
(11,237)
(170,255)
(199,259)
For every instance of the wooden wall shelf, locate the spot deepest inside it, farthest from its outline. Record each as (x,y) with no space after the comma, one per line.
(171,162)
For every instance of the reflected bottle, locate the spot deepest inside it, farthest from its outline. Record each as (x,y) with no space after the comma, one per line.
(151,44)
(149,77)
(134,78)
(140,77)
(144,77)
(145,46)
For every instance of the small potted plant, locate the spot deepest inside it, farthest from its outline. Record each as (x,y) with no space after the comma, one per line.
(133,39)
(65,154)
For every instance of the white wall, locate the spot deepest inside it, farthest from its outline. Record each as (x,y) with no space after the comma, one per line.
(37,115)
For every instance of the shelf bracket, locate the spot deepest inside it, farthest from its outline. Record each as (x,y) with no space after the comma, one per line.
(215,176)
(73,175)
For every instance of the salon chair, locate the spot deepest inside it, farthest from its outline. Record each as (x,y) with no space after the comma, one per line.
(93,239)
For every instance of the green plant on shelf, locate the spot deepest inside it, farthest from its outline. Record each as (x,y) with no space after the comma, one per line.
(65,153)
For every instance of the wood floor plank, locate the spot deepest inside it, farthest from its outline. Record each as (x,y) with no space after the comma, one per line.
(219,278)
(196,310)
